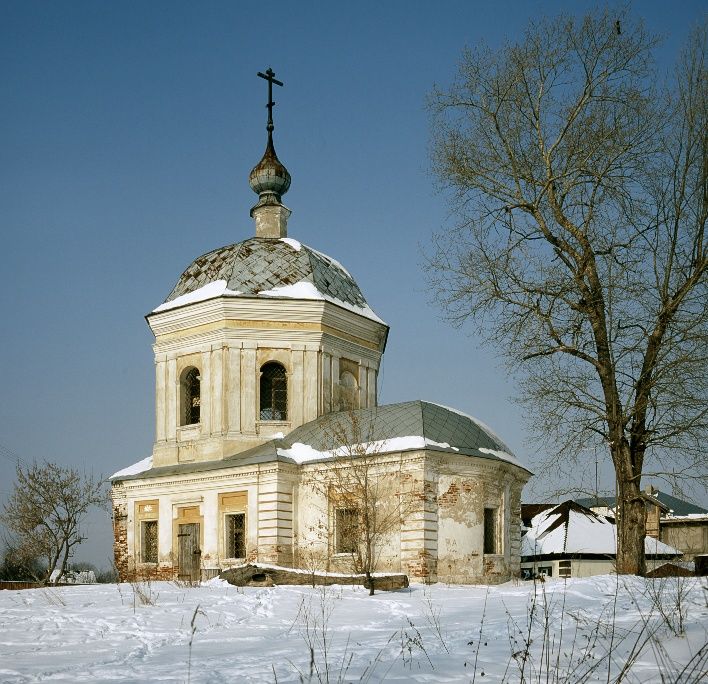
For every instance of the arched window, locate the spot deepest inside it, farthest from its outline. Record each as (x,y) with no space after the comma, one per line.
(191,396)
(274,392)
(348,391)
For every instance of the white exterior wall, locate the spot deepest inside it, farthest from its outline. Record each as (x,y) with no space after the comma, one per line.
(228,339)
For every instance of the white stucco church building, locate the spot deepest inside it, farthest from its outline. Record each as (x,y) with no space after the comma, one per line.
(260,348)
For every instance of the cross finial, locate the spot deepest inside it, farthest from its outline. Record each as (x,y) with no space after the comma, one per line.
(270,77)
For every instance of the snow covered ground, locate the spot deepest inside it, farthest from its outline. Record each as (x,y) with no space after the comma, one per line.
(219,633)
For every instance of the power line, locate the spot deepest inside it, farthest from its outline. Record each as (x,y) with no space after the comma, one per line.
(10,455)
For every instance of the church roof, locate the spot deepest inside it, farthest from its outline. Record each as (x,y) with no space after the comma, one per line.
(408,426)
(398,427)
(264,267)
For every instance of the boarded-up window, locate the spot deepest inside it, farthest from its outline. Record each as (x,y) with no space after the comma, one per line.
(274,392)
(235,528)
(348,391)
(564,568)
(346,528)
(491,527)
(148,534)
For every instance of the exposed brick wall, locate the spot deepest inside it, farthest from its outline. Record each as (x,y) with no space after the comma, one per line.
(423,568)
(124,562)
(120,541)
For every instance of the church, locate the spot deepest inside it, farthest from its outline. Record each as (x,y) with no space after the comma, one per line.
(267,358)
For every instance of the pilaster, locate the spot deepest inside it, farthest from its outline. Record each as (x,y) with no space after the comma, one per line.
(296,385)
(249,375)
(310,385)
(172,403)
(160,398)
(217,390)
(233,389)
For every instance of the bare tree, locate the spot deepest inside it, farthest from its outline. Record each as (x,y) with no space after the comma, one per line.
(366,492)
(45,511)
(582,190)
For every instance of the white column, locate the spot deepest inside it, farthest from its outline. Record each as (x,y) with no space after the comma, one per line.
(164,530)
(217,390)
(233,389)
(249,376)
(372,398)
(335,382)
(172,403)
(207,396)
(210,511)
(310,385)
(326,383)
(296,386)
(160,398)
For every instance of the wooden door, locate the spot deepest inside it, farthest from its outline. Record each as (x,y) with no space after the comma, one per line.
(190,555)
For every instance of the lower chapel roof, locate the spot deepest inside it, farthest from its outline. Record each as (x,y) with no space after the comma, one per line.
(392,428)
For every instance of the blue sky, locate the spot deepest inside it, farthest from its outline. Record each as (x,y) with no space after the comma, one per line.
(127,132)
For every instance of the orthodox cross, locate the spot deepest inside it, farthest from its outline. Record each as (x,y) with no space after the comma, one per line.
(270,77)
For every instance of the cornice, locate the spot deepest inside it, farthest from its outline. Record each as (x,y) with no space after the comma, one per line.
(255,318)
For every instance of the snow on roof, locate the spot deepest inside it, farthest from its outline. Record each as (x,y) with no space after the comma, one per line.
(215,289)
(297,246)
(302,453)
(690,517)
(503,455)
(257,265)
(139,467)
(571,529)
(304,289)
(481,424)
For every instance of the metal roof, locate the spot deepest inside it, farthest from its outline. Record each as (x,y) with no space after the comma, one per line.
(260,264)
(419,418)
(676,506)
(439,424)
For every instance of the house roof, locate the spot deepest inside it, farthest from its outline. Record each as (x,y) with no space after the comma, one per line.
(266,267)
(412,425)
(676,506)
(569,529)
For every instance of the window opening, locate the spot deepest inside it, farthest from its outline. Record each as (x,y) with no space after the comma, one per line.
(148,551)
(349,391)
(274,392)
(192,396)
(491,536)
(236,535)
(346,527)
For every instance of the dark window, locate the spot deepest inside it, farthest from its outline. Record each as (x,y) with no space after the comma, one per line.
(236,535)
(191,387)
(346,527)
(274,392)
(491,537)
(564,568)
(149,541)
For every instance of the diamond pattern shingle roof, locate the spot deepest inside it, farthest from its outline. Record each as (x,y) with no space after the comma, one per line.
(260,264)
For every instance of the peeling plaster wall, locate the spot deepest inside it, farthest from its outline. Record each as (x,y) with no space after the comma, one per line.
(290,519)
(465,487)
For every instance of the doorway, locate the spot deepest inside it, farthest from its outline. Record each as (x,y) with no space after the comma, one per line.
(190,555)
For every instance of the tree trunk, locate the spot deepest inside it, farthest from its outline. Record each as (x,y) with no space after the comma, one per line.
(631,526)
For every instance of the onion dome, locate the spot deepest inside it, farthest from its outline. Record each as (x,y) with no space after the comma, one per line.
(269,176)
